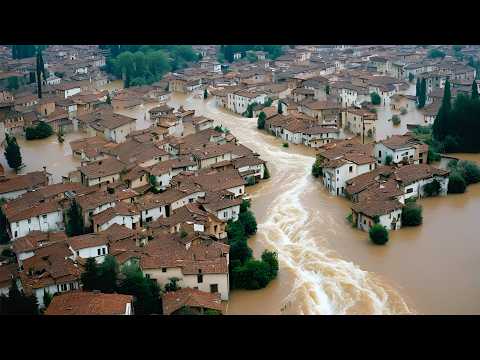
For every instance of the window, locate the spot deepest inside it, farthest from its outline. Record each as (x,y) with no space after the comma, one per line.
(224,214)
(99,252)
(364,222)
(214,288)
(350,169)
(104,251)
(200,279)
(379,153)
(164,270)
(409,190)
(44,216)
(338,171)
(78,253)
(29,221)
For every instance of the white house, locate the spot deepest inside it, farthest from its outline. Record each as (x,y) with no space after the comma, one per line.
(387,212)
(401,148)
(319,135)
(86,246)
(413,178)
(45,217)
(337,171)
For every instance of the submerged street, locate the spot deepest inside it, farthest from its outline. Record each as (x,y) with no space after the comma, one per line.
(326,266)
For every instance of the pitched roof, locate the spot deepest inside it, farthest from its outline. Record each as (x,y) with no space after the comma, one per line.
(88,303)
(173,301)
(380,207)
(87,241)
(105,167)
(22,182)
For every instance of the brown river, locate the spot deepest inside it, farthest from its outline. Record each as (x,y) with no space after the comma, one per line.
(326,266)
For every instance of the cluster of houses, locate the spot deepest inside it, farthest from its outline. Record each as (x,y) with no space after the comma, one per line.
(155,197)
(379,177)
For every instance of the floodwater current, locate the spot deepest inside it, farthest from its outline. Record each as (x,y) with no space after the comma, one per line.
(326,266)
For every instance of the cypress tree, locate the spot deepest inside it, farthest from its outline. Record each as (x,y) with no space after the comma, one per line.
(423,94)
(279,108)
(417,89)
(474,90)
(90,276)
(39,74)
(12,153)
(441,123)
(74,221)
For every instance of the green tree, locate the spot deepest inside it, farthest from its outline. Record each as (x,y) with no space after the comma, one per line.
(456,183)
(271,258)
(74,220)
(107,275)
(432,188)
(378,234)
(441,124)
(12,83)
(412,215)
(47,298)
(422,97)
(435,53)
(474,90)
(417,88)
(109,99)
(145,291)
(279,107)
(375,98)
(254,274)
(90,275)
(411,77)
(172,284)
(317,169)
(248,221)
(261,120)
(240,251)
(40,70)
(205,94)
(41,131)
(17,303)
(396,120)
(12,153)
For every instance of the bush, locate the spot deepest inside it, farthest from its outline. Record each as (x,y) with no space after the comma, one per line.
(432,188)
(8,253)
(470,171)
(349,218)
(375,98)
(432,156)
(285,145)
(403,111)
(254,274)
(248,221)
(41,131)
(412,215)
(378,234)
(271,258)
(317,169)
(396,120)
(456,183)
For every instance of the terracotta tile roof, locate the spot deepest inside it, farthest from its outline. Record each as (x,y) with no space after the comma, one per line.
(173,301)
(32,211)
(88,303)
(247,161)
(120,209)
(101,168)
(410,173)
(215,202)
(212,180)
(400,142)
(87,241)
(380,207)
(22,182)
(36,239)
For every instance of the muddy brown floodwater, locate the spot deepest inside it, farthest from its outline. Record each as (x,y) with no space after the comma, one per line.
(326,266)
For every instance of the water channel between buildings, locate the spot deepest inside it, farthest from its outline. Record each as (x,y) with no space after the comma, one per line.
(326,266)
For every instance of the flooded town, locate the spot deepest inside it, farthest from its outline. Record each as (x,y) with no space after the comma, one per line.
(239,180)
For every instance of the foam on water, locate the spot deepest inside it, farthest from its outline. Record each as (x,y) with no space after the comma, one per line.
(324,283)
